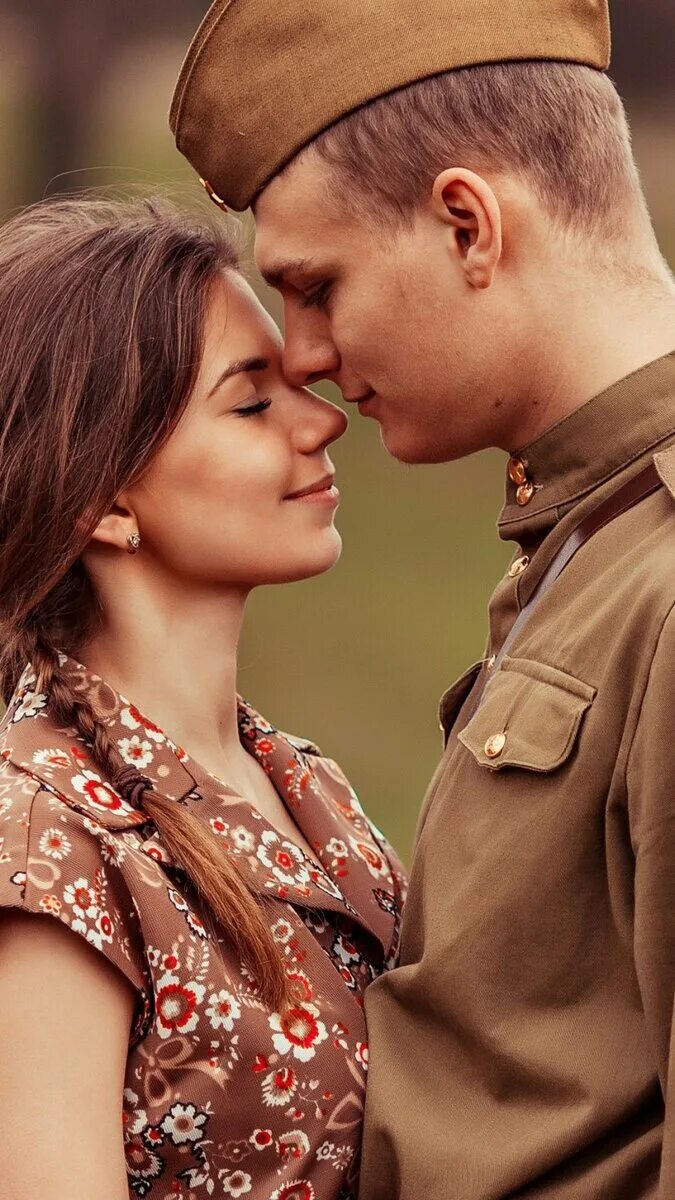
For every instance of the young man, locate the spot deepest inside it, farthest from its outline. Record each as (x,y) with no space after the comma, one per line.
(446,198)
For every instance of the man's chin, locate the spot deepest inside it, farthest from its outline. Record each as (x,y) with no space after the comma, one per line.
(411,447)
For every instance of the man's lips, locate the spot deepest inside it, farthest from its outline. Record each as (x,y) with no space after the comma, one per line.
(359,399)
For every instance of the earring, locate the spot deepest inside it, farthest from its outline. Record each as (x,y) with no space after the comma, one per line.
(134,543)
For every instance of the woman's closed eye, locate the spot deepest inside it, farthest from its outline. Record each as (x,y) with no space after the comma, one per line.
(250,410)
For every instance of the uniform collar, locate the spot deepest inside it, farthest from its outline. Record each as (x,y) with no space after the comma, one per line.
(356,879)
(600,439)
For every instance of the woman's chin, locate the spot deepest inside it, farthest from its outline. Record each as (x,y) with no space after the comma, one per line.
(317,562)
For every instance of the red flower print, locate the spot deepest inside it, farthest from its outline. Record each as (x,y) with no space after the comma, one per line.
(300,1189)
(279,1086)
(298,1031)
(260,1139)
(177,1005)
(98,793)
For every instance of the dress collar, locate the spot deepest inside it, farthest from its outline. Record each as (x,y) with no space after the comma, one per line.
(355,878)
(600,439)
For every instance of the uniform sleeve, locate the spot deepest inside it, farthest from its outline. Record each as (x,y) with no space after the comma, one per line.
(55,861)
(651,800)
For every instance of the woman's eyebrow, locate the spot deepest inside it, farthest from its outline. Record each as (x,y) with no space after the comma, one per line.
(242,366)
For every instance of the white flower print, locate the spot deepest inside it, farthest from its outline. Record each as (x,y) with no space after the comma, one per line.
(102,933)
(299,1189)
(223,1010)
(136,752)
(177,1005)
(98,793)
(142,1164)
(184,1123)
(285,860)
(55,844)
(337,848)
(131,718)
(292,1145)
(325,1152)
(51,758)
(261,1139)
(282,930)
(362,1054)
(134,1119)
(112,850)
(30,704)
(219,826)
(237,1184)
(279,1087)
(298,1031)
(345,950)
(82,897)
(374,859)
(242,839)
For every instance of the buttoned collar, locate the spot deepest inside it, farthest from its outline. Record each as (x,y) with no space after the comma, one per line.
(355,877)
(597,441)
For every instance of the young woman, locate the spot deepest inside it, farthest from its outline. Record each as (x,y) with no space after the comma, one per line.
(203,1035)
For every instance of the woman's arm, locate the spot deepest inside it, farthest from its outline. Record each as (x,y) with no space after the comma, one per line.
(66,1019)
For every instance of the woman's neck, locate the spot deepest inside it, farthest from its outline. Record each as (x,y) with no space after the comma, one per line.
(175,657)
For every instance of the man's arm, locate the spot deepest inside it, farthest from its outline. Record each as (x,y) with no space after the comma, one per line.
(651,801)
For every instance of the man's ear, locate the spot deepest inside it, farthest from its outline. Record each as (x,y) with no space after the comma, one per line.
(466,203)
(117,525)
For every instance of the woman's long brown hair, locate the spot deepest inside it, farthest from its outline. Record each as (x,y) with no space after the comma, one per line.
(102,310)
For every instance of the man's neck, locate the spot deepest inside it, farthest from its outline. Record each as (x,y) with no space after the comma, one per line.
(588,346)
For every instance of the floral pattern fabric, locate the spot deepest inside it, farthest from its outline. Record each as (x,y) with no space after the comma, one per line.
(222,1097)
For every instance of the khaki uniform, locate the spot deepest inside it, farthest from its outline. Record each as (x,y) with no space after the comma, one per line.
(521,1049)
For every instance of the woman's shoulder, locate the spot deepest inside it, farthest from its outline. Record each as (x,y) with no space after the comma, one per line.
(57,860)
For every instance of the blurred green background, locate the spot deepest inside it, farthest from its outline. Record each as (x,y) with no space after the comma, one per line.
(357,659)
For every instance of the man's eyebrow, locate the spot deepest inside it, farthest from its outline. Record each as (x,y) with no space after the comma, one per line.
(242,366)
(278,273)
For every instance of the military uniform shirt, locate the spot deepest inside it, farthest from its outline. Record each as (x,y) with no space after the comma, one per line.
(522,1047)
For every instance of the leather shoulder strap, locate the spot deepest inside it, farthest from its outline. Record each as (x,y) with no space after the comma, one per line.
(614,506)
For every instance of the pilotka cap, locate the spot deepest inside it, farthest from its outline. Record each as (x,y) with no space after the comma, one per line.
(261,80)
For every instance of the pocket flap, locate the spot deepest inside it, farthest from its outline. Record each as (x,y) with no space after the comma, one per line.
(529,717)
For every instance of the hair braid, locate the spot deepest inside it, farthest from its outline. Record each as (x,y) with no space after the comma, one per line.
(183,835)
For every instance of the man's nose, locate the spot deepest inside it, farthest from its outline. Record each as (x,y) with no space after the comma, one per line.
(309,354)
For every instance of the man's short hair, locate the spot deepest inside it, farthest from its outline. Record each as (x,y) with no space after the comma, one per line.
(559,125)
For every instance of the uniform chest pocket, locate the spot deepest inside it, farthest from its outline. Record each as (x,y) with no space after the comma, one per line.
(530,717)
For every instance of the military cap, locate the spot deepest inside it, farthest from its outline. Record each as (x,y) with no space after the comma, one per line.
(261,80)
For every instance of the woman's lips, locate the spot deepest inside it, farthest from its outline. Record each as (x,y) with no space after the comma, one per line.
(327,495)
(323,491)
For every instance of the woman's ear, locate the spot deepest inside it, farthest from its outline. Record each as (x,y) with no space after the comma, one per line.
(467,205)
(117,526)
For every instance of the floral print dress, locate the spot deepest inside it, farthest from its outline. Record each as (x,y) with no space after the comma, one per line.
(222,1096)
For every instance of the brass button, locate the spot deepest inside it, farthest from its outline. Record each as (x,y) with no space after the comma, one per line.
(517,471)
(520,565)
(525,493)
(495,745)
(491,661)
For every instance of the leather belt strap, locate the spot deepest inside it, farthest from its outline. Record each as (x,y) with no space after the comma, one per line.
(614,506)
